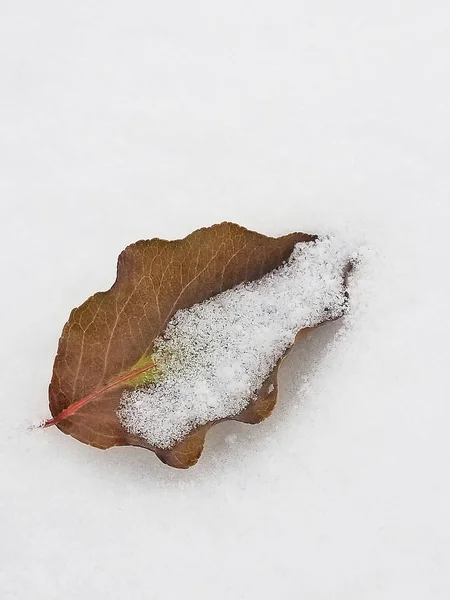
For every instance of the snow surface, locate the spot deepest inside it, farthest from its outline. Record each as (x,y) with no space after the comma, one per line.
(121,121)
(214,356)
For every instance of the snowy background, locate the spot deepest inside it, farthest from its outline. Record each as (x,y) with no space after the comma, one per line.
(129,120)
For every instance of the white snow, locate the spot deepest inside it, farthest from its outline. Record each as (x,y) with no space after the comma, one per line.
(128,120)
(214,356)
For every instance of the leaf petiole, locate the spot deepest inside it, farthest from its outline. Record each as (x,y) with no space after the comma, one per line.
(79,403)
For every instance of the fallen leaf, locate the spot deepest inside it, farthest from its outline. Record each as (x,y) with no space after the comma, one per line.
(106,345)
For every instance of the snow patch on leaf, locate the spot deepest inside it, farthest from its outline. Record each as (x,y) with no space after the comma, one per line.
(216,355)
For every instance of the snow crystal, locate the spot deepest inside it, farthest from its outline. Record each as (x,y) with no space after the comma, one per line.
(214,356)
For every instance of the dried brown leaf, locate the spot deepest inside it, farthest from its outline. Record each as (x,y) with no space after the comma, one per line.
(106,342)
